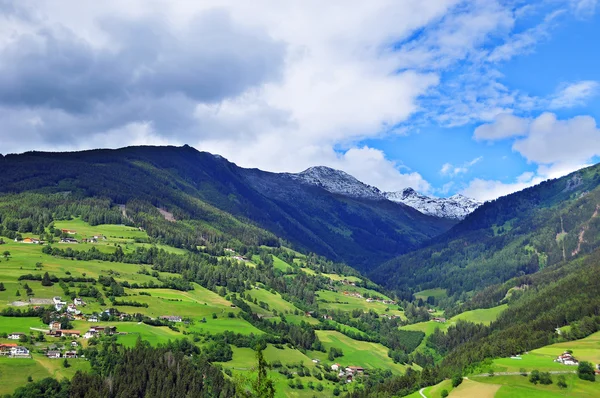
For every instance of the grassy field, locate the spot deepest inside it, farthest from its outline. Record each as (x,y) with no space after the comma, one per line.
(356,353)
(542,359)
(15,371)
(470,389)
(338,301)
(485,316)
(438,293)
(587,349)
(520,387)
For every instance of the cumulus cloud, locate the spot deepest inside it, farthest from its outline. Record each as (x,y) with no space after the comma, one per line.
(557,147)
(505,125)
(278,86)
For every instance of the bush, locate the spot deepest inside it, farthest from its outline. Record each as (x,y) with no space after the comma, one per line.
(534,377)
(456,380)
(444,393)
(562,382)
(545,378)
(585,371)
(336,391)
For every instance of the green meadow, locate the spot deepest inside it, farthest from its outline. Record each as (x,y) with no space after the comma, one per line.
(438,293)
(520,387)
(485,316)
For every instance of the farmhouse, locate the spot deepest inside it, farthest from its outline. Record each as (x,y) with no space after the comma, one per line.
(30,240)
(336,366)
(15,336)
(19,351)
(6,347)
(171,318)
(71,354)
(53,354)
(354,370)
(68,240)
(440,320)
(567,359)
(92,318)
(68,333)
(68,231)
(54,325)
(78,301)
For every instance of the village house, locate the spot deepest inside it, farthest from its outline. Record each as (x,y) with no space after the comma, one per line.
(71,354)
(316,360)
(567,359)
(336,366)
(15,336)
(54,325)
(68,240)
(354,370)
(53,354)
(19,351)
(92,318)
(78,301)
(68,231)
(171,318)
(6,347)
(440,320)
(30,240)
(327,317)
(68,333)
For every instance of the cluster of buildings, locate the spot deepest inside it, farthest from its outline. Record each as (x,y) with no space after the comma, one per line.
(348,373)
(14,350)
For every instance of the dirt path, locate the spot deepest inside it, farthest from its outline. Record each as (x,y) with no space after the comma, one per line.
(553,372)
(421,392)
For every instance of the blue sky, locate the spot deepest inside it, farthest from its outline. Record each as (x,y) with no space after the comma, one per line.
(479,97)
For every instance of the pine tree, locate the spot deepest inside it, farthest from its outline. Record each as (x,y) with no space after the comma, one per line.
(2,288)
(46,280)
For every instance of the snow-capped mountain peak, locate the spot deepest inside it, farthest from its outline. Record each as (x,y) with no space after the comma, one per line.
(342,183)
(456,206)
(337,181)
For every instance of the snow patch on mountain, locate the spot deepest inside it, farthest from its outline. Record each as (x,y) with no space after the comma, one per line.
(337,181)
(456,206)
(342,183)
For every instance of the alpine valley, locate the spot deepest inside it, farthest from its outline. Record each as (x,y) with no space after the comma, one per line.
(169,272)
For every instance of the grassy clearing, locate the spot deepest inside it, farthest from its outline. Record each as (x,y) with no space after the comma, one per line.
(338,301)
(587,349)
(12,324)
(485,316)
(357,353)
(426,327)
(438,293)
(280,264)
(15,371)
(520,387)
(470,389)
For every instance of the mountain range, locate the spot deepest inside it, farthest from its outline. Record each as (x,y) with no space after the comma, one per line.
(322,210)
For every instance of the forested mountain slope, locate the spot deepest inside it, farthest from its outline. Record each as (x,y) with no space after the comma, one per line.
(201,186)
(514,235)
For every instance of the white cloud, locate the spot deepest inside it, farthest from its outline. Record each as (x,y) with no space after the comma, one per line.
(484,190)
(450,170)
(505,125)
(553,141)
(557,147)
(584,8)
(574,94)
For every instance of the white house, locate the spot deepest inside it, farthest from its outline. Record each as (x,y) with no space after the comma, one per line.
(336,366)
(77,301)
(56,299)
(93,319)
(53,354)
(19,351)
(15,336)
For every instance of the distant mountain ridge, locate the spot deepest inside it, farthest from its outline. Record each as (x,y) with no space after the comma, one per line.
(321,210)
(456,207)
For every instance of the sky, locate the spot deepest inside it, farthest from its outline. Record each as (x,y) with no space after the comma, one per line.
(481,98)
